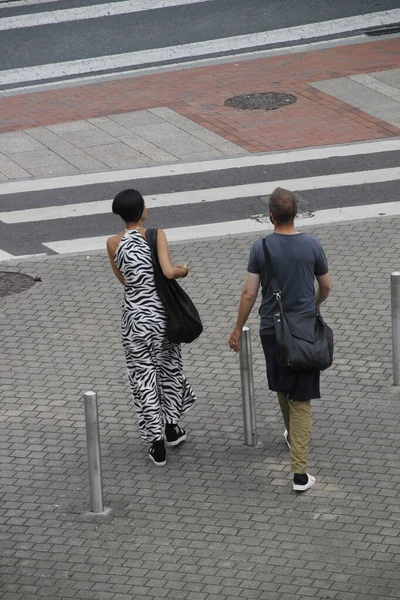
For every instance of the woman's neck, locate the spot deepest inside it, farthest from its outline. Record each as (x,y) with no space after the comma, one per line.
(133,225)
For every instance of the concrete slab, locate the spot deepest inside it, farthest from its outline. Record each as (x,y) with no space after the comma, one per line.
(197,131)
(87,163)
(86,137)
(157,154)
(134,139)
(18,141)
(140,118)
(391,76)
(44,163)
(374,96)
(111,127)
(378,86)
(120,156)
(11,170)
(52,141)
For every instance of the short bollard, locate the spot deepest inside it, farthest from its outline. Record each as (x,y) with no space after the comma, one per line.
(93,453)
(395,301)
(246,376)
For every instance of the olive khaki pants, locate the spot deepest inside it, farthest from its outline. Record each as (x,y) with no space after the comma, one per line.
(297,417)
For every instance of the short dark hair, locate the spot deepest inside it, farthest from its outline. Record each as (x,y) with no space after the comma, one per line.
(129,205)
(283,206)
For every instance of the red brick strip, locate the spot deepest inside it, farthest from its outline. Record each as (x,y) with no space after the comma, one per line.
(199,94)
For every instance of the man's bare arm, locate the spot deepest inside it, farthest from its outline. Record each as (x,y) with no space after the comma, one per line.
(324,288)
(247,301)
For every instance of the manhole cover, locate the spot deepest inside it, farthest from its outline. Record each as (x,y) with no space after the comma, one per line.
(13,283)
(262,101)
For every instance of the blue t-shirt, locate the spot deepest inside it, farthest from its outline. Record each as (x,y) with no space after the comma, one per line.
(296,259)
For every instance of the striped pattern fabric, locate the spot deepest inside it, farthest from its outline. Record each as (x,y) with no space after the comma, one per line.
(160,391)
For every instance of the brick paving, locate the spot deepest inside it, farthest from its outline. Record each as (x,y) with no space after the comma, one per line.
(199,94)
(220,521)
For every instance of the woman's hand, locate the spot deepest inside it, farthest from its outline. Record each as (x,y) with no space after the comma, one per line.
(185,268)
(234,340)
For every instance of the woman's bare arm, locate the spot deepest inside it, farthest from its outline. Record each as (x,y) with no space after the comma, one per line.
(112,245)
(168,268)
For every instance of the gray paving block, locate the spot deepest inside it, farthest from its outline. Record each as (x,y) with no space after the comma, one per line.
(158,133)
(378,86)
(18,141)
(82,134)
(119,156)
(389,76)
(220,520)
(148,149)
(84,162)
(356,94)
(43,163)
(137,119)
(111,127)
(198,131)
(11,170)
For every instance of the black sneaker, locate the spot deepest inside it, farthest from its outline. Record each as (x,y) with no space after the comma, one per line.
(157,453)
(174,435)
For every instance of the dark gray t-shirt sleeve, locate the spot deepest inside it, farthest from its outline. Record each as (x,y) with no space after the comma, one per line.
(321,262)
(254,264)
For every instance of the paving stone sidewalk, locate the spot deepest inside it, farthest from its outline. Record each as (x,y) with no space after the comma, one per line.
(220,521)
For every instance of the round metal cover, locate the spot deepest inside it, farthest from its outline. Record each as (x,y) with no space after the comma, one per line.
(13,283)
(261,101)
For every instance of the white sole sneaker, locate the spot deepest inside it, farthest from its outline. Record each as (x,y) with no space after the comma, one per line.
(176,442)
(158,464)
(302,488)
(286,436)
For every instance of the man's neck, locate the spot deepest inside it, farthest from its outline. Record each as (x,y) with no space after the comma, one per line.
(285,229)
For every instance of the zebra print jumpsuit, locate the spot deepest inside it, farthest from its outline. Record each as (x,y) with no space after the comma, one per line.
(159,388)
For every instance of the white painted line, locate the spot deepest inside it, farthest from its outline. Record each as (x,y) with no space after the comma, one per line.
(145,57)
(5,255)
(88,12)
(251,160)
(181,234)
(188,64)
(206,195)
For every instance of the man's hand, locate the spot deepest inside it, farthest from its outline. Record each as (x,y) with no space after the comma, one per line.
(234,340)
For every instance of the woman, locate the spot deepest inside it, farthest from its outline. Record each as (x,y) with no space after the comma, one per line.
(160,391)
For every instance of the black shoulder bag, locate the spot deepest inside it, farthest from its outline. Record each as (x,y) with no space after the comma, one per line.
(183,320)
(304,341)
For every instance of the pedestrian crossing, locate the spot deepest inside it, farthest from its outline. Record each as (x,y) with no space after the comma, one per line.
(35,61)
(202,200)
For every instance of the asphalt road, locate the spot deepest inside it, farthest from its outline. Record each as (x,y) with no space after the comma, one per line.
(170,27)
(28,237)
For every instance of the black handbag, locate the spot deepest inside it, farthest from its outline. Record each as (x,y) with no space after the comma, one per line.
(183,320)
(304,341)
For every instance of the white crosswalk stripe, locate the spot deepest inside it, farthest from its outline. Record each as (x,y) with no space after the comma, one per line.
(181,52)
(95,11)
(209,195)
(60,225)
(206,166)
(181,234)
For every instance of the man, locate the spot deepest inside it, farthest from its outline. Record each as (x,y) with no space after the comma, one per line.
(297,258)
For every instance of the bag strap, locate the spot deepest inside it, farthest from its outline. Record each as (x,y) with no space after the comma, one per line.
(151,237)
(269,267)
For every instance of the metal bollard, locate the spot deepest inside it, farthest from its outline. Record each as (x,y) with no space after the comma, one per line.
(93,453)
(246,376)
(395,301)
